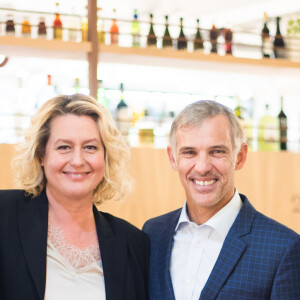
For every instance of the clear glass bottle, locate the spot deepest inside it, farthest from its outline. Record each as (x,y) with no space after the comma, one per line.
(114,30)
(57,24)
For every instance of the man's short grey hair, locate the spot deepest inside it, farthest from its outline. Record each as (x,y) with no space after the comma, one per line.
(195,113)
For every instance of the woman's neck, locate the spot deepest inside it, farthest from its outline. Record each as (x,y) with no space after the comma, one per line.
(68,213)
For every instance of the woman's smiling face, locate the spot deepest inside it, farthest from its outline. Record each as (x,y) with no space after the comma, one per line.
(74,160)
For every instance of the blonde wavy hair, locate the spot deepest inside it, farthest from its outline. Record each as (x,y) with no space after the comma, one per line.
(27,163)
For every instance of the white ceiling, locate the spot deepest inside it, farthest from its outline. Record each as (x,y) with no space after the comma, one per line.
(237,14)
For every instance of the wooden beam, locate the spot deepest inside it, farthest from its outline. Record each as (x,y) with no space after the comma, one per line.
(93,55)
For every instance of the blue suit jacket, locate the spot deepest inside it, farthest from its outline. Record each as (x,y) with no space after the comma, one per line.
(260,259)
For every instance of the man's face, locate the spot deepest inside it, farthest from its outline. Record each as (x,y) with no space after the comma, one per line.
(206,164)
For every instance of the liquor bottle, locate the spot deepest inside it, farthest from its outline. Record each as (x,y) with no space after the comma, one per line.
(114,30)
(10,25)
(282,118)
(49,92)
(42,30)
(181,41)
(135,30)
(101,94)
(76,85)
(268,132)
(57,24)
(84,27)
(123,114)
(198,41)
(100,28)
(213,34)
(278,44)
(167,40)
(228,40)
(151,38)
(245,121)
(26,28)
(265,39)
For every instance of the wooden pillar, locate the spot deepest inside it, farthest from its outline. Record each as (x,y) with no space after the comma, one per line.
(93,55)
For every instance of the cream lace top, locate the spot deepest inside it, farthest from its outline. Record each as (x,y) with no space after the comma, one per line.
(72,273)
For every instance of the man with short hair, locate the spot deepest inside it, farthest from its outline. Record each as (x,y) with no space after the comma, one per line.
(217,246)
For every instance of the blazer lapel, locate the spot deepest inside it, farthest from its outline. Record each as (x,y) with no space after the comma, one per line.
(166,249)
(231,252)
(33,227)
(113,249)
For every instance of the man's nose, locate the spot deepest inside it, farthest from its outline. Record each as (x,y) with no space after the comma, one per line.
(203,164)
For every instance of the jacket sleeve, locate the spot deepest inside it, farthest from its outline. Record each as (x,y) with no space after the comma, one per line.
(286,284)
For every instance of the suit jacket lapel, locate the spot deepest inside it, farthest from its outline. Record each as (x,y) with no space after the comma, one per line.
(113,248)
(231,252)
(33,227)
(166,249)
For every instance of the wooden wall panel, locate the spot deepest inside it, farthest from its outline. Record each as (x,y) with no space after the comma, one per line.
(271,181)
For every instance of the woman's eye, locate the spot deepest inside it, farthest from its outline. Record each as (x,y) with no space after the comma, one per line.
(63,147)
(91,147)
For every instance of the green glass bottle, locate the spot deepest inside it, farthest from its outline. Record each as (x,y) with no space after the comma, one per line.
(181,41)
(268,132)
(198,41)
(167,40)
(151,38)
(135,31)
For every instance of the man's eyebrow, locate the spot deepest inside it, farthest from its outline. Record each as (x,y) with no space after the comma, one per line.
(185,148)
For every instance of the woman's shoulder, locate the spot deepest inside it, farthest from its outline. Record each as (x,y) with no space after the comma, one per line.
(7,197)
(9,202)
(122,226)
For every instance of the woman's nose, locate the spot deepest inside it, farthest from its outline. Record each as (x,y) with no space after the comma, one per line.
(77,157)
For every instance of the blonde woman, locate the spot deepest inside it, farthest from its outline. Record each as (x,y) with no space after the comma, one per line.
(54,243)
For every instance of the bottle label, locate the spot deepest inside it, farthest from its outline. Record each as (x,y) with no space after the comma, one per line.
(114,38)
(270,134)
(267,47)
(57,33)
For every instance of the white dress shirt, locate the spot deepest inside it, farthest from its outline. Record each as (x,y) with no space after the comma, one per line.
(196,249)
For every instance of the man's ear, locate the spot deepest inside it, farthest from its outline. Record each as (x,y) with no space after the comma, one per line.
(172,159)
(241,157)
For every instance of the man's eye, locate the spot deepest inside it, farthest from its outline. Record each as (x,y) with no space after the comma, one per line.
(218,151)
(190,152)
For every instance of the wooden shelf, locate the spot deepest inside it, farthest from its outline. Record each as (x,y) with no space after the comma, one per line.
(191,60)
(22,46)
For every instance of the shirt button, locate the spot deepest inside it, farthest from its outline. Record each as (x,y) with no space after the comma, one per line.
(189,280)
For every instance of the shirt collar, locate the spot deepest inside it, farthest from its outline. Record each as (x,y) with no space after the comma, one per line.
(222,220)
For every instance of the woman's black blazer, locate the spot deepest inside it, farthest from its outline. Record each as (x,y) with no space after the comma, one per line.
(23,250)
